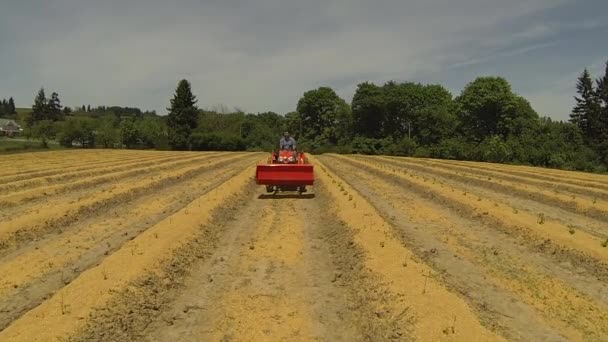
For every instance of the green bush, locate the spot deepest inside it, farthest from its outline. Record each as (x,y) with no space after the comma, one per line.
(217,142)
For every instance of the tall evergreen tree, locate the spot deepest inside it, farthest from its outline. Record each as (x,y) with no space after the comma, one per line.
(54,108)
(11,106)
(39,109)
(586,113)
(602,94)
(2,109)
(183,116)
(4,105)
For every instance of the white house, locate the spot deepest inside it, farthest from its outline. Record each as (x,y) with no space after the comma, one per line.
(9,127)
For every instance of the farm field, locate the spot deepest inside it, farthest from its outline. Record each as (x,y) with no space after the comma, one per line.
(115,245)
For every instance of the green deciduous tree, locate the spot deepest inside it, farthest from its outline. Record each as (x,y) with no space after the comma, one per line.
(128,133)
(44,131)
(369,110)
(151,132)
(488,107)
(183,116)
(79,130)
(326,118)
(107,135)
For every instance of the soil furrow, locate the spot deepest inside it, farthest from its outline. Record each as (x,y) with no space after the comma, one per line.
(70,309)
(20,230)
(503,194)
(571,177)
(108,167)
(77,164)
(31,278)
(404,274)
(486,267)
(135,170)
(558,184)
(551,237)
(588,206)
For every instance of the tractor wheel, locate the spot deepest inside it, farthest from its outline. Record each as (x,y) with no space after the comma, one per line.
(269,188)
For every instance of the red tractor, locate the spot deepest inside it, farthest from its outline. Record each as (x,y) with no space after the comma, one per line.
(286,170)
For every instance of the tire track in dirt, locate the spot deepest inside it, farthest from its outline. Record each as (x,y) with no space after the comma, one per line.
(23,229)
(509,286)
(281,276)
(551,237)
(33,273)
(69,309)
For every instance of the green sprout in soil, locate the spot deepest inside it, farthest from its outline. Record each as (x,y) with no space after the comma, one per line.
(541,218)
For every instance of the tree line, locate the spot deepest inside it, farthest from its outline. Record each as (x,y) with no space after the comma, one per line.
(7,108)
(487,121)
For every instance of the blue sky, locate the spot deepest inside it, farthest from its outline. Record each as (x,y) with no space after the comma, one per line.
(261,55)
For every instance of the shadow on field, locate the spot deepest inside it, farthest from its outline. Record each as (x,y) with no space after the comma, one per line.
(287,196)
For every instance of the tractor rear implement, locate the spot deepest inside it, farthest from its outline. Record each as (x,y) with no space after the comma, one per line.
(285,171)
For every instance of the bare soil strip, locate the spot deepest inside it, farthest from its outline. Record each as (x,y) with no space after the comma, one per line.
(102,176)
(66,175)
(262,273)
(588,205)
(547,235)
(163,246)
(82,160)
(31,277)
(569,177)
(68,309)
(18,230)
(556,184)
(438,313)
(39,196)
(510,287)
(488,189)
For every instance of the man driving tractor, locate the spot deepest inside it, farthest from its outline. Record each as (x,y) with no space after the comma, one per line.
(287,142)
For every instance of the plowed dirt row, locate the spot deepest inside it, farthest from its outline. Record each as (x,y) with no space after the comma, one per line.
(533,200)
(185,247)
(592,204)
(566,177)
(56,214)
(38,166)
(30,276)
(557,185)
(519,291)
(86,180)
(66,174)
